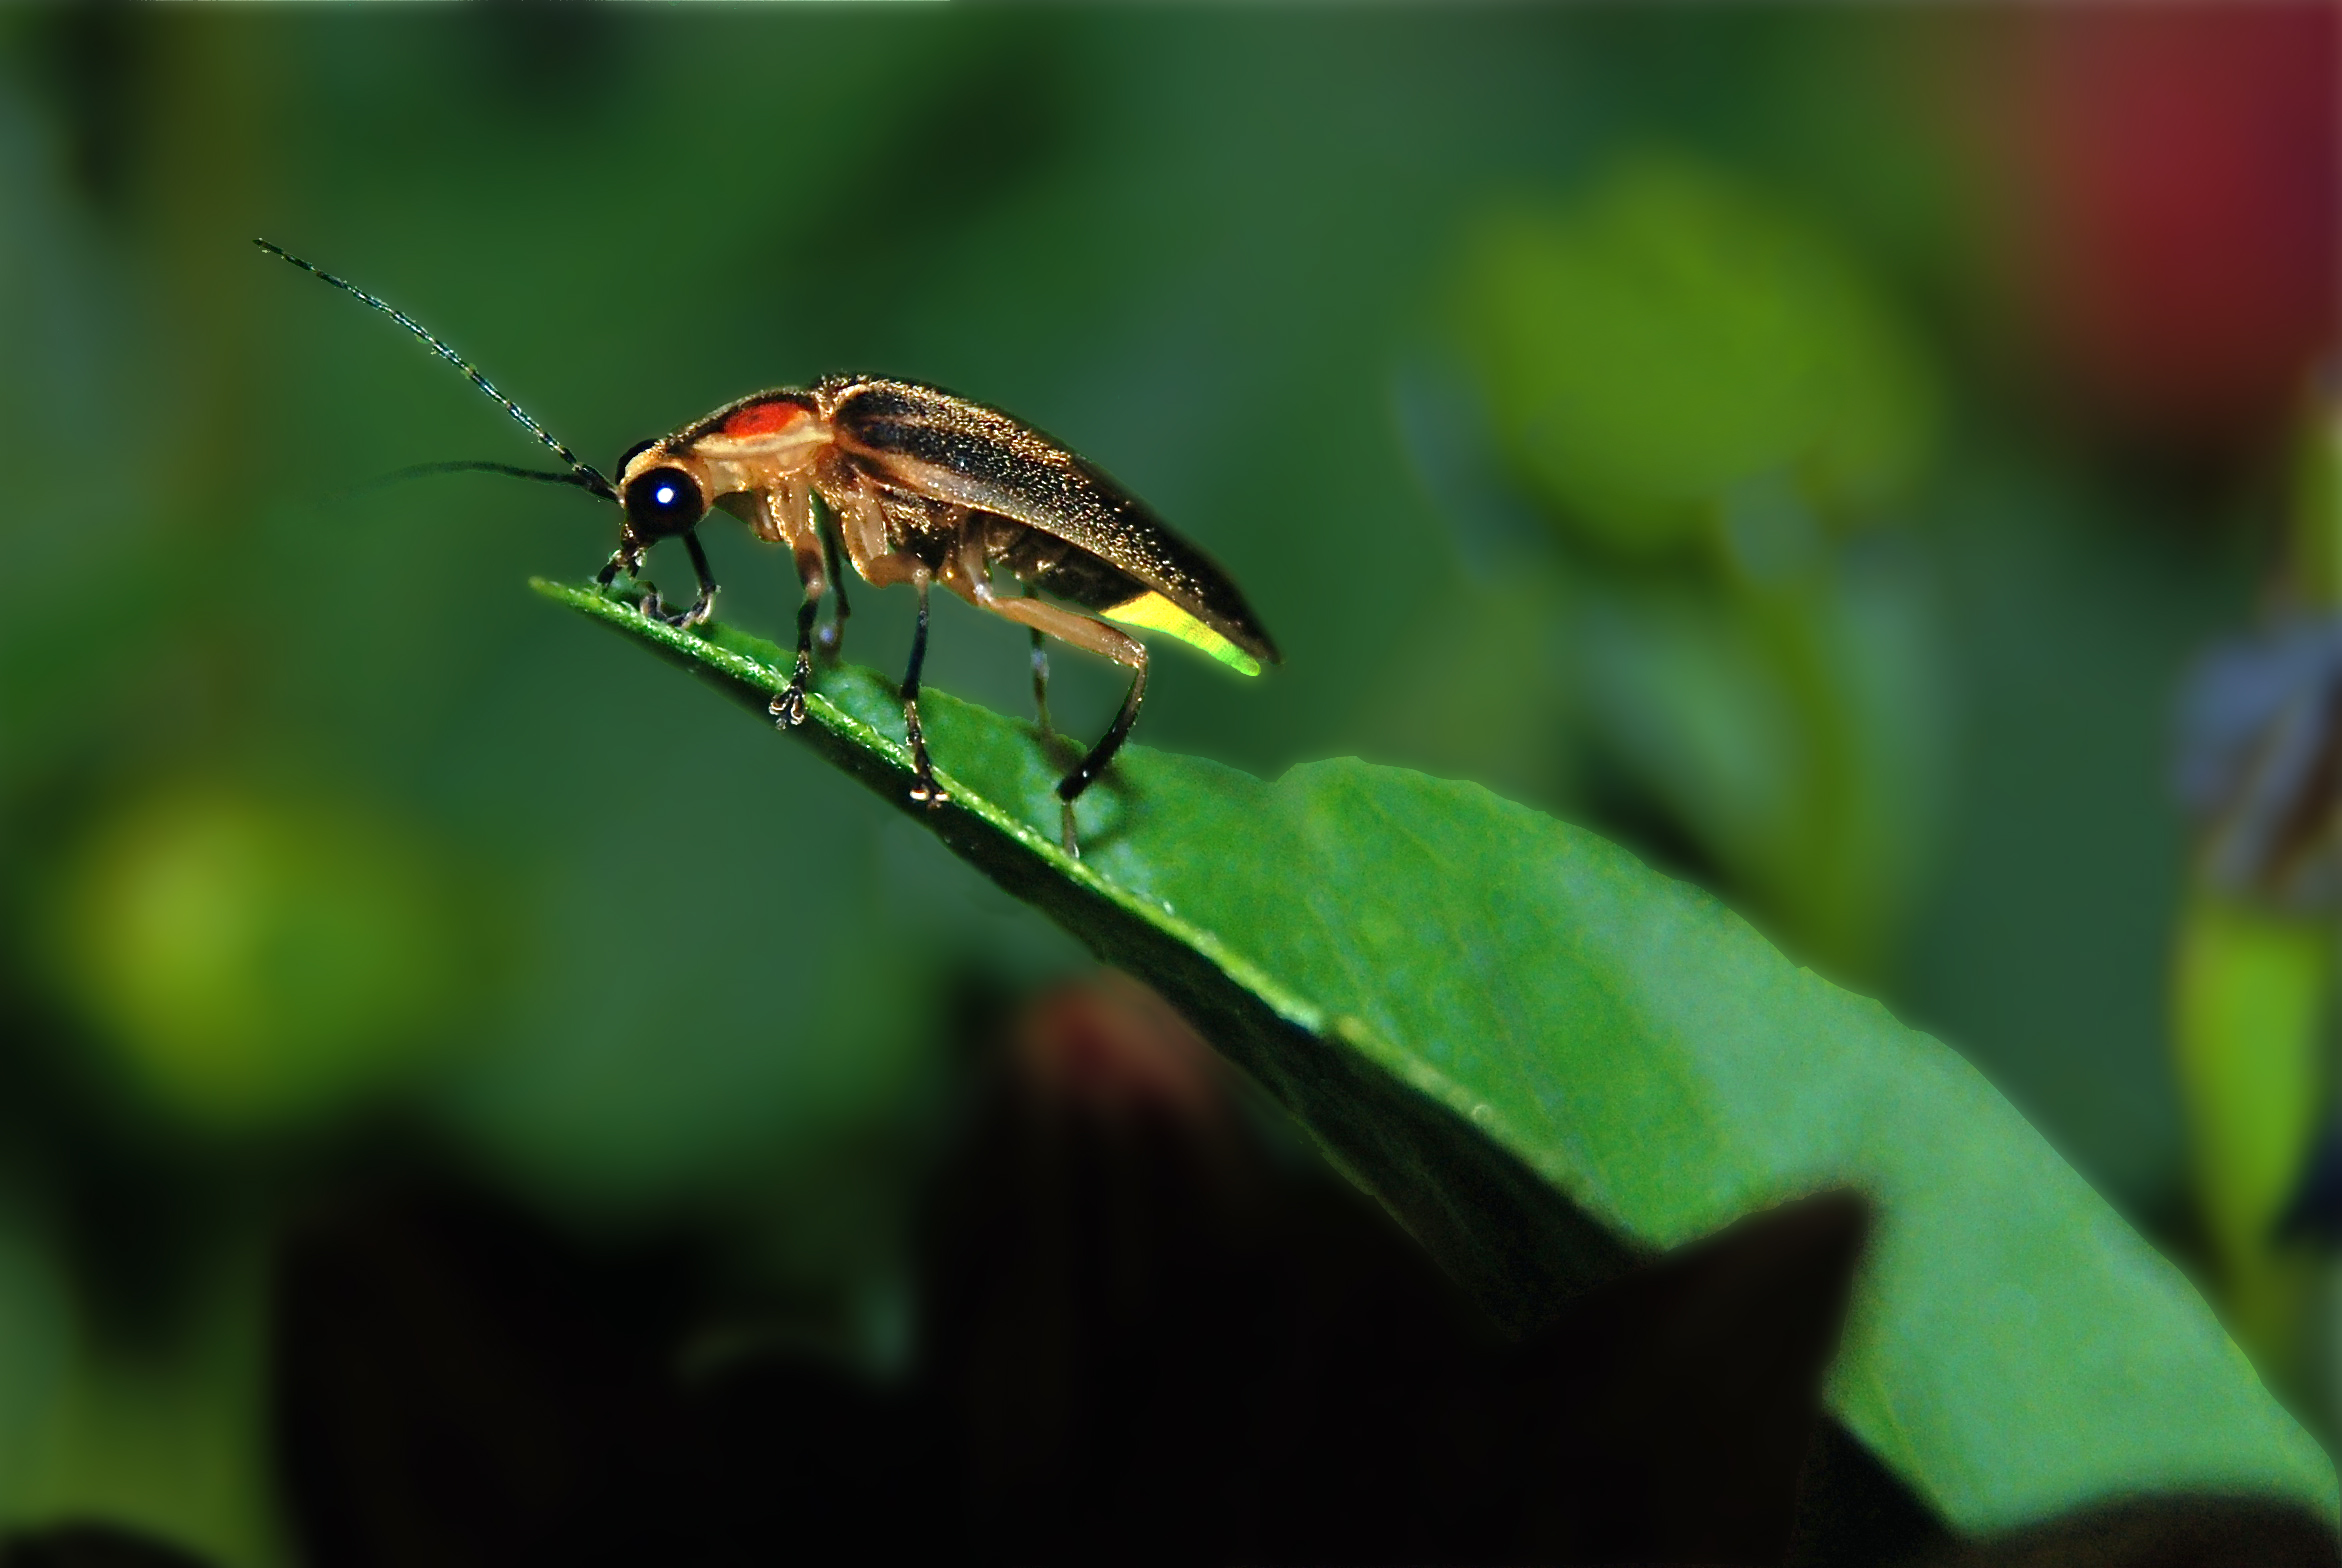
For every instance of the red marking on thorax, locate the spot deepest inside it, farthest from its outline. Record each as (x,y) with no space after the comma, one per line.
(767,418)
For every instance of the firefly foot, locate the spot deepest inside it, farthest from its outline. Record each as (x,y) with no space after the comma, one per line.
(924,789)
(788,708)
(656,608)
(1073,844)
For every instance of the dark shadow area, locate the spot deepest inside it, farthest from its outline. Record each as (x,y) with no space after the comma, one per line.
(1153,1331)
(91,1546)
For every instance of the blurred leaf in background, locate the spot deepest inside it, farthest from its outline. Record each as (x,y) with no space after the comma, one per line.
(260,963)
(1672,338)
(1703,393)
(2251,1001)
(2253,1025)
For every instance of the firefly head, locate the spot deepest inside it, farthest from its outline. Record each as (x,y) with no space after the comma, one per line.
(662,492)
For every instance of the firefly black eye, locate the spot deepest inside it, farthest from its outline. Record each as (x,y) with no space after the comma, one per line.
(664,501)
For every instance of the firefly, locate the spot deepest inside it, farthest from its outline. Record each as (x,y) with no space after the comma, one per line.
(917,486)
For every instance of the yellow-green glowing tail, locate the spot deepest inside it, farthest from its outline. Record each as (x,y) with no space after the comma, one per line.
(1155,613)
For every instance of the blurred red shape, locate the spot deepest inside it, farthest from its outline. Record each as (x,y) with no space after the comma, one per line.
(2178,180)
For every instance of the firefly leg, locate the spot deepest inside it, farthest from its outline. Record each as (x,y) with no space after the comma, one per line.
(1082,632)
(784,515)
(701,607)
(705,605)
(788,708)
(788,705)
(1041,678)
(833,636)
(967,571)
(626,558)
(884,572)
(862,519)
(1069,788)
(923,785)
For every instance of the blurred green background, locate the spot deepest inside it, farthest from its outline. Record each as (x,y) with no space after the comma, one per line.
(1806,445)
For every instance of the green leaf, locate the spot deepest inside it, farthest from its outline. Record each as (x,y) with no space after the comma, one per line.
(1670,336)
(2250,1000)
(1549,1061)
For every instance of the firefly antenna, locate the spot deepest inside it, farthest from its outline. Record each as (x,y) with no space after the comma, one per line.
(582,474)
(399,476)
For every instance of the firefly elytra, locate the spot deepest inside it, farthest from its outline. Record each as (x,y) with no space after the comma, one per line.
(919,486)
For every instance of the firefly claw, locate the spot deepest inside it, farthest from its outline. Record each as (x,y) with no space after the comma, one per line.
(789,707)
(655,608)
